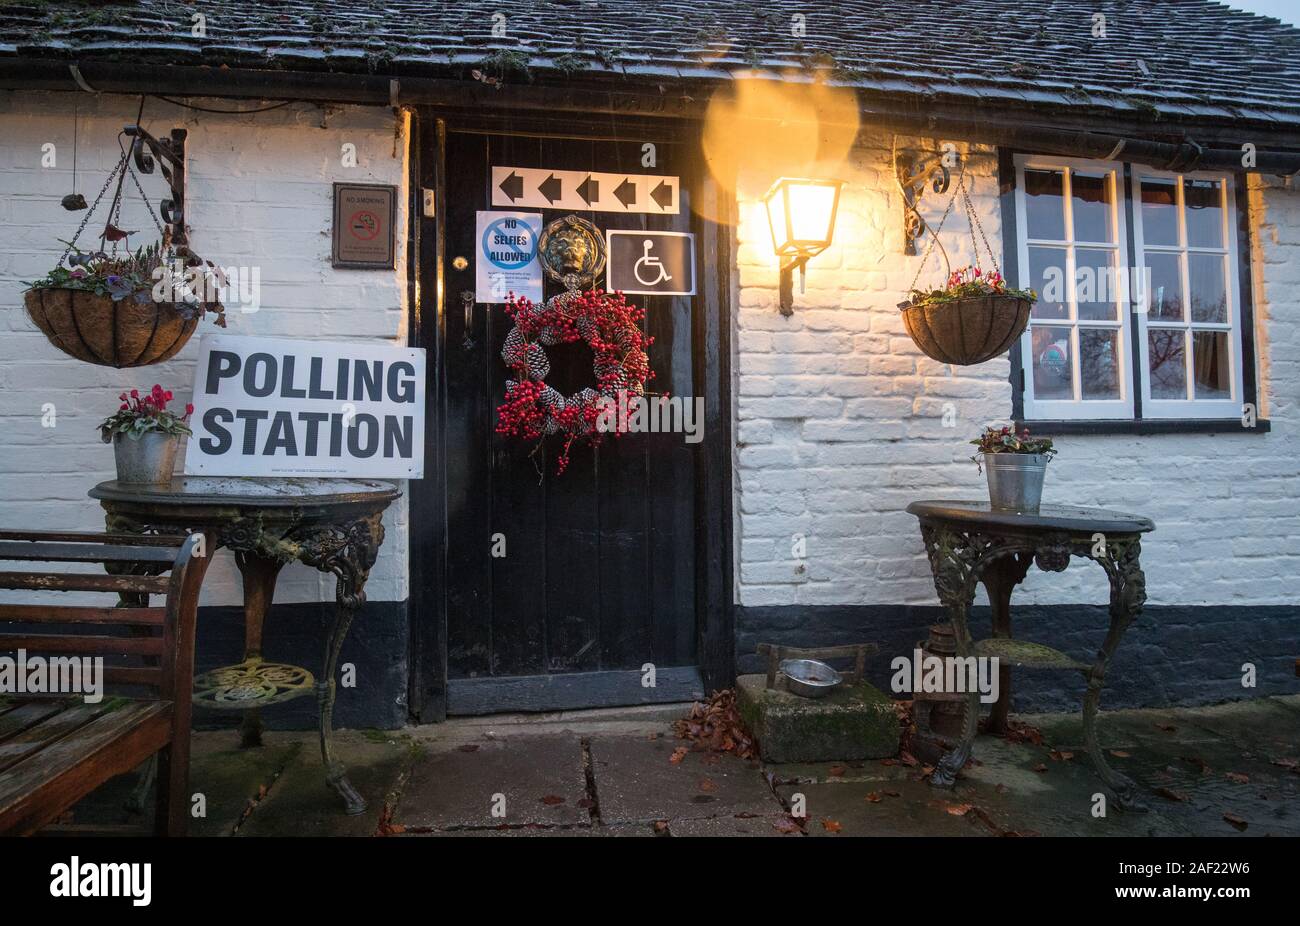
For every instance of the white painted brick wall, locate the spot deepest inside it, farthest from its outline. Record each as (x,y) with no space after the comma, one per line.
(259,194)
(840,425)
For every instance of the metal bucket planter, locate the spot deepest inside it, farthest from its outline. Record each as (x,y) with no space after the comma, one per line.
(148,459)
(1016,480)
(967,331)
(109,332)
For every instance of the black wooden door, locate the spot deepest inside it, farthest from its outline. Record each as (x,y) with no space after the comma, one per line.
(598,576)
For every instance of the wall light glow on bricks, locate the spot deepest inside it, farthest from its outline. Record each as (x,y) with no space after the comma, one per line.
(801,215)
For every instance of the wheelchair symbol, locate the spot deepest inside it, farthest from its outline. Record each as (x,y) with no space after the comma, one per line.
(652,264)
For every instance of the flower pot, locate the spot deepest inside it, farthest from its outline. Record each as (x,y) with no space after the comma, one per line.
(1015,480)
(106,331)
(967,331)
(145,460)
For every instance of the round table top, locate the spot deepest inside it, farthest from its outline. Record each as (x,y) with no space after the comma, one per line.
(243,490)
(1048,517)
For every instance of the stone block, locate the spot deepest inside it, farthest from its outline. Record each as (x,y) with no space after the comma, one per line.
(853,722)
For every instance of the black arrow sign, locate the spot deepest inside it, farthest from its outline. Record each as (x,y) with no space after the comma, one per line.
(663,195)
(626,193)
(550,188)
(512,186)
(589,190)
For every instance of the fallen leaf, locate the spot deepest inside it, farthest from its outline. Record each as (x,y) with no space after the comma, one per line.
(1120,754)
(831,826)
(837,771)
(716,726)
(468,747)
(1167,727)
(586,803)
(706,784)
(873,797)
(552,799)
(1198,762)
(1291,764)
(1060,755)
(678,754)
(787,824)
(661,826)
(1040,767)
(959,810)
(1237,777)
(1171,794)
(892,794)
(1236,821)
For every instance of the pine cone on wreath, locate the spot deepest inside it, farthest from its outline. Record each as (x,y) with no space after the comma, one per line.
(551,400)
(512,352)
(539,366)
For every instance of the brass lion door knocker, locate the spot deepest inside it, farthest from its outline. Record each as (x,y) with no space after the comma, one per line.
(572,252)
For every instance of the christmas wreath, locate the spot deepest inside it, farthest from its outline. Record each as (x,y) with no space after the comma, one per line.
(610,326)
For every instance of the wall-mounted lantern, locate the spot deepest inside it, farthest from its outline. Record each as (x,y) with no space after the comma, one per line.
(801,214)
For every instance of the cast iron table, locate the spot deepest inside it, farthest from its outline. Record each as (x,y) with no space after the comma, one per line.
(969,543)
(333,525)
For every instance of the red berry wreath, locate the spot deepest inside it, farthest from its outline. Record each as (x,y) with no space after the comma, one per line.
(610,327)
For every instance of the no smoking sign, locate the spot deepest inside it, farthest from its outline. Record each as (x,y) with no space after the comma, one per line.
(364,225)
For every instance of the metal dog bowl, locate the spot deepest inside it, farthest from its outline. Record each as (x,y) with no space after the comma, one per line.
(809,678)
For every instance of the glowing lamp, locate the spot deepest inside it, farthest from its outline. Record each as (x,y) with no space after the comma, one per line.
(801,214)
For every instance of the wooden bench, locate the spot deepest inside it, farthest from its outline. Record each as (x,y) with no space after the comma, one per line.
(55,748)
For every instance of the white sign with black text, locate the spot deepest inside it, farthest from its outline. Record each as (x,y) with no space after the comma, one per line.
(282,407)
(507,256)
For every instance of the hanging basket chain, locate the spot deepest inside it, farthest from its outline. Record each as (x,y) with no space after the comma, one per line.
(91,211)
(977,227)
(934,233)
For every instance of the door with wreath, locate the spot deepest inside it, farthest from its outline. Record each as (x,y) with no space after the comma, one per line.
(563,589)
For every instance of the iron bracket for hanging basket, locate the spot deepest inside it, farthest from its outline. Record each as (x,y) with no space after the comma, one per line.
(912,173)
(170,153)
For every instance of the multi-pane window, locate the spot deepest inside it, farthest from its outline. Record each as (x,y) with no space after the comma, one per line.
(1174,303)
(1073,252)
(1185,236)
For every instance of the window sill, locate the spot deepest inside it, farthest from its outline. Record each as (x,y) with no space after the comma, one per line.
(1145,426)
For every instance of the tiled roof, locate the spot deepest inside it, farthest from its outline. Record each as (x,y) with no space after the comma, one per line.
(1180,60)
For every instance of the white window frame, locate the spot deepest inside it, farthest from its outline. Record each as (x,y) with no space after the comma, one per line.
(1192,407)
(1076,408)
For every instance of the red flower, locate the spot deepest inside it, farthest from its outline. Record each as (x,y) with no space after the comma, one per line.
(135,393)
(189,409)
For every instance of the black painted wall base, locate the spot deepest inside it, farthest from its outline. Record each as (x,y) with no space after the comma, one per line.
(1173,655)
(377,645)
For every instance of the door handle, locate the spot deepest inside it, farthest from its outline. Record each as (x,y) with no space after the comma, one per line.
(467,305)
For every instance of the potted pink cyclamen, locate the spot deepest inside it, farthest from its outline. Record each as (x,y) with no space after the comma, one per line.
(145,435)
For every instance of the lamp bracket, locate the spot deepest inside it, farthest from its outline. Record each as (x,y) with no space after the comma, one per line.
(913,172)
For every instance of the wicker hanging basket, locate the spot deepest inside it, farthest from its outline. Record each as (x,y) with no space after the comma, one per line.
(972,328)
(967,331)
(108,332)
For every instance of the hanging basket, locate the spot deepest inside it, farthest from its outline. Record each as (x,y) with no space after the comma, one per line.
(970,330)
(114,333)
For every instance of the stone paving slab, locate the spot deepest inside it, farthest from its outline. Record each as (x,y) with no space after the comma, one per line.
(231,778)
(454,784)
(636,782)
(729,826)
(300,803)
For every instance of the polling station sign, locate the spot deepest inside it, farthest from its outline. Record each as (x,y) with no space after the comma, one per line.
(507,256)
(282,407)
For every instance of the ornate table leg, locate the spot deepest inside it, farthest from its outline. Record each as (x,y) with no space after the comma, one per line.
(349,551)
(258,574)
(999,579)
(1127,595)
(954,560)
